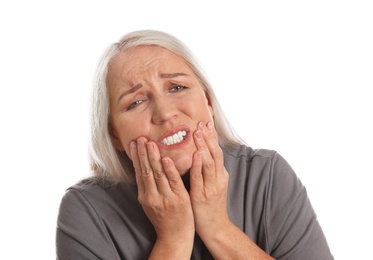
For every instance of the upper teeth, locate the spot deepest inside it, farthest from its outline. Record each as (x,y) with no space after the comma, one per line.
(174,139)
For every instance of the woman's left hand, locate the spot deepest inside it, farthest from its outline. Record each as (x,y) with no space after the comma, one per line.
(209,183)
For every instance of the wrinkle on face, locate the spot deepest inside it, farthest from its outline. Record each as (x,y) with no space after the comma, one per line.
(154,72)
(121,72)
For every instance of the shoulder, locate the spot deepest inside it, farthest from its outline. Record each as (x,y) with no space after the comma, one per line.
(242,156)
(262,169)
(83,192)
(88,186)
(247,153)
(81,229)
(97,193)
(79,199)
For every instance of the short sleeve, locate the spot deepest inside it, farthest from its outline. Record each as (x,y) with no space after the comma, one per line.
(80,232)
(292,226)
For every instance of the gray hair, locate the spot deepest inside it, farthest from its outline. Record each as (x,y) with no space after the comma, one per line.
(107,161)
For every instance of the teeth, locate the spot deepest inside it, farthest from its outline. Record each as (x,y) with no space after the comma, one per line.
(174,139)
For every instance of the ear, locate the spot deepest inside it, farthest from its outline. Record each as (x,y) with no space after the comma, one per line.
(115,139)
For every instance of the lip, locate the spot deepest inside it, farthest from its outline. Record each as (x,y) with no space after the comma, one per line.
(172,132)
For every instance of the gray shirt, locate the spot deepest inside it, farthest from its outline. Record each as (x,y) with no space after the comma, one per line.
(266,201)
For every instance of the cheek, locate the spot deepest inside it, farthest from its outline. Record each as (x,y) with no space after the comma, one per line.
(126,140)
(131,131)
(204,111)
(197,107)
(205,106)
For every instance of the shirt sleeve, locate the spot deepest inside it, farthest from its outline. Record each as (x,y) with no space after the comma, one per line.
(80,232)
(293,229)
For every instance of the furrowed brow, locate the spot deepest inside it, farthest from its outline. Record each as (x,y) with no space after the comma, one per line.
(131,90)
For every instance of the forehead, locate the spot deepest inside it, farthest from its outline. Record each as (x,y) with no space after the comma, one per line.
(146,59)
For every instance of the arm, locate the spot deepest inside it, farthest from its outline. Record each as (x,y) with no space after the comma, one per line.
(209,184)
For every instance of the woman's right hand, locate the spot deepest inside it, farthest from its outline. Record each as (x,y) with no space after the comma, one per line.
(165,200)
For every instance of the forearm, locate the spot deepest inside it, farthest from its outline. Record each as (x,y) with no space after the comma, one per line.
(231,243)
(175,250)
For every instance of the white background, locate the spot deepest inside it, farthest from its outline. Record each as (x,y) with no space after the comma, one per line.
(293,76)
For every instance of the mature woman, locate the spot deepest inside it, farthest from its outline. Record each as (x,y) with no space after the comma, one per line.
(171,179)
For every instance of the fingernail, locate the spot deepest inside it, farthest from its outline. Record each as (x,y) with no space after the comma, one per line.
(201,126)
(141,141)
(165,161)
(133,145)
(198,134)
(210,126)
(149,145)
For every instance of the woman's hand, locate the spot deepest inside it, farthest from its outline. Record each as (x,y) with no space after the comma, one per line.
(208,193)
(166,202)
(209,183)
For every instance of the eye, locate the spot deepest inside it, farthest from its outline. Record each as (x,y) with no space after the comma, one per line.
(177,88)
(134,104)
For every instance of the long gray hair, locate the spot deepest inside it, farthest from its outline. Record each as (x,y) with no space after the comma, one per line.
(107,161)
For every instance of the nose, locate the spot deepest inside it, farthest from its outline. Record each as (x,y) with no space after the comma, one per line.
(164,110)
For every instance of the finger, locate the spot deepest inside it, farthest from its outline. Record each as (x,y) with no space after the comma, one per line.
(196,177)
(210,137)
(174,179)
(136,164)
(221,175)
(145,168)
(208,164)
(211,128)
(158,171)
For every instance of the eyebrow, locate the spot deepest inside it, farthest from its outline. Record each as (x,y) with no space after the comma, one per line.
(173,75)
(131,90)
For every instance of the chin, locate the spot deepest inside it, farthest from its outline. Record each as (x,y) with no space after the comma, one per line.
(183,171)
(182,159)
(183,165)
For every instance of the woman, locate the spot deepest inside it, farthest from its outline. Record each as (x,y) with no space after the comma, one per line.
(171,180)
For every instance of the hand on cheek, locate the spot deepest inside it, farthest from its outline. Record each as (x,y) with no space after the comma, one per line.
(161,192)
(209,182)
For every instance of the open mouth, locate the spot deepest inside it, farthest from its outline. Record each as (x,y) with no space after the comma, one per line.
(175,138)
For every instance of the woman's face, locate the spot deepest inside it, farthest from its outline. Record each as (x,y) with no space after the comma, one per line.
(154,94)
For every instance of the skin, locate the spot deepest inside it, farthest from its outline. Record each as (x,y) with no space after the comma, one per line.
(153,94)
(162,104)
